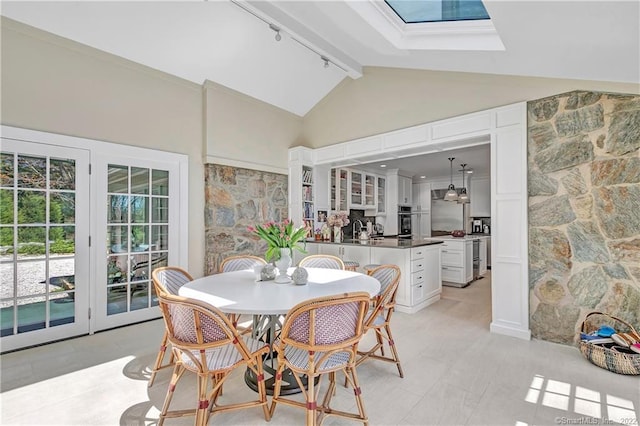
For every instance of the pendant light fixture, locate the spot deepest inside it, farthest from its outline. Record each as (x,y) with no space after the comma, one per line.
(463,198)
(451,194)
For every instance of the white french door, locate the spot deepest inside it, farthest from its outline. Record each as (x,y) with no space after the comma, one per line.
(44,243)
(138,220)
(81,230)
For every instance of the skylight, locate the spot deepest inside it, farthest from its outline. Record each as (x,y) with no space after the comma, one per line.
(420,11)
(431,24)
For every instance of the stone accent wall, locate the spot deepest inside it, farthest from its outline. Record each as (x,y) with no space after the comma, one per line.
(584,211)
(234,199)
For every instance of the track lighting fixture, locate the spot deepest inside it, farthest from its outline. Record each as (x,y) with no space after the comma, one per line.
(277,30)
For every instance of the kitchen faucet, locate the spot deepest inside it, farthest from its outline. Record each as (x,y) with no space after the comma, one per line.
(353,228)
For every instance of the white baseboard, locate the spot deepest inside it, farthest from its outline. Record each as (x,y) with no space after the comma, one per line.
(419,306)
(510,331)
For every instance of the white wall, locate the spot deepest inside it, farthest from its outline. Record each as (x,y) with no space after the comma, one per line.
(54,85)
(244,132)
(386,99)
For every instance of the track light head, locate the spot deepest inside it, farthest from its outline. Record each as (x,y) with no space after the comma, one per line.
(277,30)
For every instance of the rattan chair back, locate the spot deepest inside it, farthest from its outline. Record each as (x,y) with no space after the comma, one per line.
(326,261)
(384,303)
(169,279)
(240,263)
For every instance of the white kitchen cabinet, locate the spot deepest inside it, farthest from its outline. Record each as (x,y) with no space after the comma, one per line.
(423,224)
(433,274)
(310,249)
(356,192)
(422,197)
(405,191)
(457,260)
(360,254)
(480,197)
(353,189)
(420,280)
(381,195)
(482,269)
(369,191)
(468,261)
(338,189)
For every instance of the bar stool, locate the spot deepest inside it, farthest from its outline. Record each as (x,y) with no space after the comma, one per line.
(370,267)
(351,265)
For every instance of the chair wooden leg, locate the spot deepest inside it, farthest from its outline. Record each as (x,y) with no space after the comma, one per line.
(394,351)
(380,343)
(262,390)
(311,401)
(159,358)
(276,387)
(178,370)
(331,390)
(358,394)
(202,413)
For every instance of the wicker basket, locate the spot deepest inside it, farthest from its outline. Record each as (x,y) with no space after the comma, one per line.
(604,357)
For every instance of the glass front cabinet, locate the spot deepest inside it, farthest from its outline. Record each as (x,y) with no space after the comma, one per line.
(381,191)
(369,191)
(356,197)
(355,189)
(338,198)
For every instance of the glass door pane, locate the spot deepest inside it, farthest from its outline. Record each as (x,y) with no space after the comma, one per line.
(41,197)
(356,189)
(369,190)
(137,235)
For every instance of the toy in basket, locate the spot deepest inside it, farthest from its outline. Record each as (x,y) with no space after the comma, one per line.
(610,343)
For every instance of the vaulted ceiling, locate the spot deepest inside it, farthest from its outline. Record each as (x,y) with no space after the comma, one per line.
(232,44)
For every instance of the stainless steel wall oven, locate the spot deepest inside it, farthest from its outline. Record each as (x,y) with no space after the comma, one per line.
(404,222)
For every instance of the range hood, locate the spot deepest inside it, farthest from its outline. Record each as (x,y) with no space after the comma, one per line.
(438,194)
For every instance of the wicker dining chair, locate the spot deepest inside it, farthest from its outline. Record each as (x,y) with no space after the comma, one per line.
(240,262)
(326,261)
(319,337)
(167,279)
(205,342)
(379,317)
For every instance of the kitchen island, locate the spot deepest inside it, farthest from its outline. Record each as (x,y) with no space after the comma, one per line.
(461,264)
(419,262)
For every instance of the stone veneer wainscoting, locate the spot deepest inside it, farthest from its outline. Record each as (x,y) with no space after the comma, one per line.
(234,199)
(584,210)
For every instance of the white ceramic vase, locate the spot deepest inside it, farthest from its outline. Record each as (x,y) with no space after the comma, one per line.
(337,234)
(283,264)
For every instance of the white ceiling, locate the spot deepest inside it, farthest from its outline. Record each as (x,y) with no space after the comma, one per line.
(222,42)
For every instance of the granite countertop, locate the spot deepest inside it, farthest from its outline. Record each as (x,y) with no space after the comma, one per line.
(466,237)
(383,242)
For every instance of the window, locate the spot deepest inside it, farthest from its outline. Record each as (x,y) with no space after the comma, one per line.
(419,11)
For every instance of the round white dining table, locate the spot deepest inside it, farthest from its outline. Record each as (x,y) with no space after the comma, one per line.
(239,292)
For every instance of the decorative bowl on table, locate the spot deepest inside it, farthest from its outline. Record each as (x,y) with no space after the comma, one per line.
(458,233)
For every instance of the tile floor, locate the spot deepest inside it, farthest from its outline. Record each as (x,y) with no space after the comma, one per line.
(456,373)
